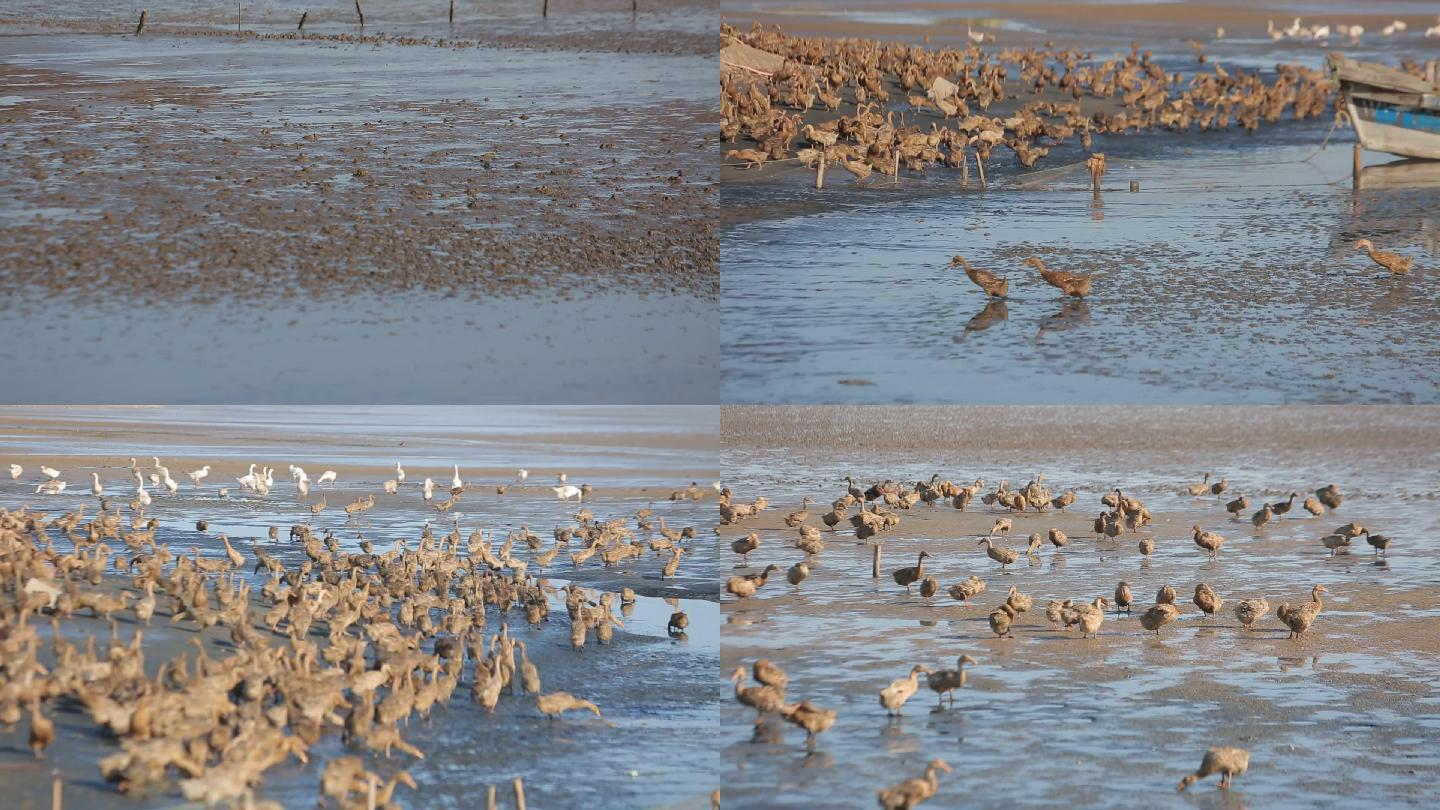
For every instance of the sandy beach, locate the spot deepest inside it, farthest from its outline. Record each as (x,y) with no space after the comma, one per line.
(390,196)
(1116,720)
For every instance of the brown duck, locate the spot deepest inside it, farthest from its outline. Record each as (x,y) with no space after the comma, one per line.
(1072,284)
(1394,262)
(993,285)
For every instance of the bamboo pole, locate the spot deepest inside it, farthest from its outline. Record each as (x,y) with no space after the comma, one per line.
(55,791)
(545,9)
(452,12)
(301,26)
(519,793)
(980,168)
(964,168)
(237,16)
(820,175)
(897,165)
(360,12)
(490,799)
(141,27)
(875,563)
(1359,160)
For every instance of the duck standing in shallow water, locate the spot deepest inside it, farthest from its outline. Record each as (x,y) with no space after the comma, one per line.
(993,285)
(1224,760)
(1397,264)
(1072,284)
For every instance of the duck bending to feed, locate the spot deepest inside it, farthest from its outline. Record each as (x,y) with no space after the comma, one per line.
(1227,761)
(1396,263)
(1072,284)
(993,285)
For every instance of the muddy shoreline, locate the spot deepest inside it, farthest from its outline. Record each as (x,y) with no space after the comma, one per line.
(1118,719)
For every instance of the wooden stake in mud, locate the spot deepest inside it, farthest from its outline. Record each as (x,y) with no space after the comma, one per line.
(545,8)
(1359,159)
(55,791)
(964,168)
(519,793)
(490,798)
(370,798)
(360,12)
(141,26)
(452,12)
(301,26)
(897,166)
(237,16)
(875,563)
(980,168)
(820,174)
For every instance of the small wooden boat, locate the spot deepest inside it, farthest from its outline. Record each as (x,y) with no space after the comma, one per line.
(1392,111)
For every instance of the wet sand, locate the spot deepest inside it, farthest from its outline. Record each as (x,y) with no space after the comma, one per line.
(271,191)
(1118,720)
(656,691)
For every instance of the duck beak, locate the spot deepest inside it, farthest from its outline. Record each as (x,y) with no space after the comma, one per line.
(946,767)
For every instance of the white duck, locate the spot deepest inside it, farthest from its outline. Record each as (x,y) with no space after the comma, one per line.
(50,472)
(95,487)
(521,475)
(429,489)
(456,483)
(567,492)
(15,471)
(247,481)
(327,477)
(196,476)
(399,473)
(51,487)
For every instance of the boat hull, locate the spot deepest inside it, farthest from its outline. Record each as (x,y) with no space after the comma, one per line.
(1405,131)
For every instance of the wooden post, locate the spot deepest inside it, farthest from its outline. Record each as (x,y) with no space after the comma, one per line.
(1359,159)
(141,27)
(1134,185)
(519,793)
(964,168)
(980,168)
(301,26)
(545,9)
(897,165)
(490,799)
(237,16)
(360,12)
(820,175)
(875,563)
(55,791)
(370,798)
(452,12)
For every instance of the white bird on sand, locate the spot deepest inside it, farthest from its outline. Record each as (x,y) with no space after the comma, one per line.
(429,489)
(51,487)
(521,475)
(247,481)
(567,492)
(303,487)
(456,483)
(143,496)
(269,478)
(975,36)
(327,477)
(170,485)
(391,487)
(95,487)
(399,473)
(196,476)
(50,472)
(15,471)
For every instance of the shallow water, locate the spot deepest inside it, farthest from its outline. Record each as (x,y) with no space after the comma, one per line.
(1218,282)
(1050,720)
(657,692)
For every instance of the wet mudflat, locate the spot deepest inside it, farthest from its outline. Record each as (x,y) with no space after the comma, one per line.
(343,190)
(659,689)
(1048,719)
(1229,270)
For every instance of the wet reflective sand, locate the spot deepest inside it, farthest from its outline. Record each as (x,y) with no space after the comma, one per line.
(1048,719)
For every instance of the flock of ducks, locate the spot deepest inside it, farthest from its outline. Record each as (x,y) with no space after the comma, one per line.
(880,507)
(347,643)
(1065,93)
